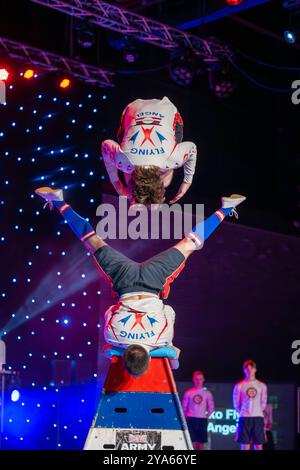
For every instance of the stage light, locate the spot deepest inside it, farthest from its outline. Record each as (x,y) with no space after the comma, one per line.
(29,73)
(15,395)
(65,83)
(130,56)
(221,82)
(289,36)
(184,68)
(86,38)
(223,88)
(85,34)
(234,2)
(127,47)
(182,73)
(4,74)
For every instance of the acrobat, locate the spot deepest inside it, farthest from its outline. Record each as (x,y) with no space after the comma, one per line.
(148,151)
(140,321)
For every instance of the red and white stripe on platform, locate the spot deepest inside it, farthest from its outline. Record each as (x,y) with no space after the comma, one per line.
(142,413)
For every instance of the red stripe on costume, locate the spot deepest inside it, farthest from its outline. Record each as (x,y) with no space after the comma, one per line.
(194,238)
(175,145)
(177,118)
(166,288)
(63,208)
(164,328)
(220,215)
(88,235)
(138,320)
(115,307)
(109,325)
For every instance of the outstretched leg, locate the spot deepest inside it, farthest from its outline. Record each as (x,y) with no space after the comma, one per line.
(115,266)
(80,226)
(158,272)
(162,269)
(195,239)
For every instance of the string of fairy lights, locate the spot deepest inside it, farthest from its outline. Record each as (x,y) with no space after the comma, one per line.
(50,290)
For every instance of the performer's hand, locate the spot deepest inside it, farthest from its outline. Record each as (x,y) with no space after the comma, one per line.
(178,351)
(181,192)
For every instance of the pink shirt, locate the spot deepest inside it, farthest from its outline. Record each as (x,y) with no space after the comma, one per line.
(198,403)
(250,398)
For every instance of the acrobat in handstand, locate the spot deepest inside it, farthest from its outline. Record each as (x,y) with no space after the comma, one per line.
(139,322)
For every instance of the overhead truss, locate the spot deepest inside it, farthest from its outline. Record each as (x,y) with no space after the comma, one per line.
(145,29)
(53,62)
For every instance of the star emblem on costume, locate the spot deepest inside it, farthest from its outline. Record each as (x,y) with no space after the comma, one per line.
(138,321)
(161,137)
(147,135)
(133,137)
(152,320)
(124,320)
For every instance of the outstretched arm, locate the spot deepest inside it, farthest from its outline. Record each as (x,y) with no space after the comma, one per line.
(189,158)
(185,402)
(236,398)
(264,397)
(210,404)
(109,149)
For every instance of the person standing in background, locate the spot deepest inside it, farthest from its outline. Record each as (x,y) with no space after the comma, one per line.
(250,400)
(198,405)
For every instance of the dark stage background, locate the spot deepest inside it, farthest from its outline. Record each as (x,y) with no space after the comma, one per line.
(235,299)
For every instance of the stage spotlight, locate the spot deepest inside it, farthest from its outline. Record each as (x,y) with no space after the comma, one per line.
(15,395)
(234,2)
(223,88)
(65,83)
(221,84)
(130,56)
(28,74)
(85,34)
(182,72)
(4,74)
(289,36)
(128,48)
(86,39)
(130,51)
